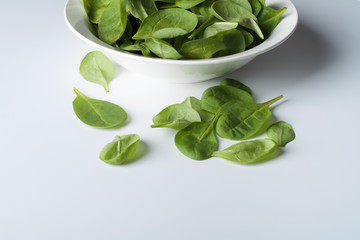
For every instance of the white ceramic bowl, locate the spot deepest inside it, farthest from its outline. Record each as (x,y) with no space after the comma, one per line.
(181,71)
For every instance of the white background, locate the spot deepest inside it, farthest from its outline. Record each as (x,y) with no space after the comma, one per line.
(53,185)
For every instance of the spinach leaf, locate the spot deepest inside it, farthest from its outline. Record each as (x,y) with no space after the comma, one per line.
(176,116)
(232,12)
(201,48)
(248,151)
(120,150)
(214,97)
(167,23)
(269,18)
(218,27)
(162,48)
(243,3)
(98,113)
(234,41)
(249,38)
(186,4)
(195,104)
(95,9)
(281,132)
(240,120)
(256,6)
(113,22)
(234,83)
(141,8)
(97,68)
(198,140)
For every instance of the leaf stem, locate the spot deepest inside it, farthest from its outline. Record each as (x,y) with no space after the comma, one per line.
(202,27)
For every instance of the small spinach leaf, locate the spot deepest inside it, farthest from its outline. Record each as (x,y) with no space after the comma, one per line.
(269,18)
(95,9)
(234,83)
(141,8)
(256,6)
(214,97)
(120,150)
(162,48)
(234,41)
(113,22)
(248,151)
(240,120)
(195,104)
(98,113)
(232,12)
(201,48)
(281,132)
(176,116)
(218,27)
(186,4)
(97,68)
(167,23)
(198,140)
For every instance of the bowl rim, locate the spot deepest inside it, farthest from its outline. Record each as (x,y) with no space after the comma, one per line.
(290,12)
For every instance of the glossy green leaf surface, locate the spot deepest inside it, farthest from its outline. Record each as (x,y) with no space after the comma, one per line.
(113,22)
(167,23)
(248,151)
(141,9)
(231,12)
(281,132)
(233,40)
(176,116)
(256,6)
(98,113)
(120,150)
(195,104)
(201,48)
(218,27)
(162,48)
(214,97)
(198,140)
(269,18)
(234,83)
(95,9)
(97,68)
(240,120)
(186,4)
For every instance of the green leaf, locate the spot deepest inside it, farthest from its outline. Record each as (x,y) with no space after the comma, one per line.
(120,150)
(232,12)
(141,9)
(256,6)
(167,23)
(234,83)
(97,68)
(243,3)
(113,22)
(186,4)
(214,97)
(218,27)
(162,48)
(201,48)
(198,140)
(249,38)
(98,113)
(281,132)
(195,104)
(240,120)
(269,18)
(176,116)
(248,151)
(234,41)
(95,9)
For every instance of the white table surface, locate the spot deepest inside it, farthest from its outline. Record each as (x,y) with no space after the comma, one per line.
(53,185)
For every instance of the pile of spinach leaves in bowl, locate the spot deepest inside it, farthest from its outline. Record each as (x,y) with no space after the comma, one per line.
(182,29)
